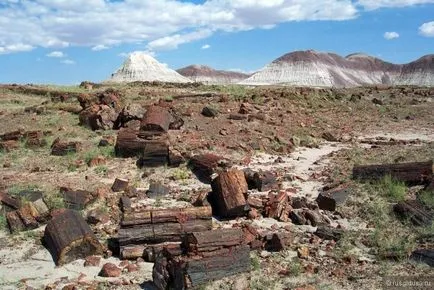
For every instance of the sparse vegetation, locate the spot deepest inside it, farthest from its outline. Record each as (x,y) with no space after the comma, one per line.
(180,174)
(393,190)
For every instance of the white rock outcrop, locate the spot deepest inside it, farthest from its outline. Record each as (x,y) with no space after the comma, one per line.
(319,69)
(140,66)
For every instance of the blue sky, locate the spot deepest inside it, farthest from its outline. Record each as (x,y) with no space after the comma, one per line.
(67,41)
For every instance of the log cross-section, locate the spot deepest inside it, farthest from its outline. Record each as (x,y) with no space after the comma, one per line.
(68,237)
(228,196)
(156,119)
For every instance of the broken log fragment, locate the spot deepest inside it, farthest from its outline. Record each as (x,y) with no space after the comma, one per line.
(156,119)
(205,165)
(330,199)
(77,199)
(329,233)
(416,173)
(9,201)
(155,153)
(414,211)
(61,148)
(423,256)
(208,241)
(228,195)
(14,221)
(188,272)
(278,206)
(120,184)
(278,242)
(27,217)
(68,237)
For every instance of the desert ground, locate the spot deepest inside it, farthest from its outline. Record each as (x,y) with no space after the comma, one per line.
(309,139)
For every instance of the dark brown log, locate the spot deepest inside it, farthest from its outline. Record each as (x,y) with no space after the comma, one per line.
(77,199)
(129,143)
(205,165)
(314,217)
(34,139)
(61,148)
(330,199)
(156,119)
(9,145)
(417,173)
(120,184)
(68,237)
(154,216)
(160,233)
(125,202)
(14,135)
(278,206)
(14,221)
(423,256)
(131,112)
(414,211)
(329,233)
(265,180)
(278,242)
(150,252)
(9,201)
(156,153)
(213,240)
(186,272)
(228,196)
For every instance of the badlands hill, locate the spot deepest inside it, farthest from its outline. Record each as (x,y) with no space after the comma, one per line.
(141,67)
(208,75)
(312,68)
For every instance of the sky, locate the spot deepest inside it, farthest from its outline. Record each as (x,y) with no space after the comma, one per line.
(69,41)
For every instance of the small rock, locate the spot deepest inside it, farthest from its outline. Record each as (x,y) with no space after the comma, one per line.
(97,161)
(377,101)
(124,263)
(132,268)
(92,261)
(265,254)
(209,112)
(253,214)
(120,184)
(96,216)
(157,189)
(303,252)
(328,136)
(110,270)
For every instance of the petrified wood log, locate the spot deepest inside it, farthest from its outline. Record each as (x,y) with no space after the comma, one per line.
(228,196)
(278,206)
(204,165)
(155,153)
(209,241)
(184,272)
(14,221)
(68,237)
(60,148)
(156,119)
(329,233)
(98,117)
(417,173)
(415,211)
(150,252)
(155,216)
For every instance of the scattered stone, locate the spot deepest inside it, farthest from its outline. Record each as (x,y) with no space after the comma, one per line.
(120,184)
(377,101)
(209,112)
(98,215)
(110,270)
(328,136)
(92,261)
(264,254)
(62,148)
(329,233)
(303,252)
(97,161)
(132,268)
(330,199)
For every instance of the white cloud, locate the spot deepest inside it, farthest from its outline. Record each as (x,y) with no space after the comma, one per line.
(391,35)
(158,25)
(205,46)
(427,29)
(57,54)
(100,47)
(68,61)
(375,4)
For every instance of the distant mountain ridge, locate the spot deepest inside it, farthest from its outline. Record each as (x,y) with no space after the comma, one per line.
(312,68)
(208,75)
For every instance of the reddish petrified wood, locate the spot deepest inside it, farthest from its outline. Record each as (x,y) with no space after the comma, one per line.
(228,196)
(209,241)
(204,165)
(68,237)
(156,119)
(417,173)
(60,148)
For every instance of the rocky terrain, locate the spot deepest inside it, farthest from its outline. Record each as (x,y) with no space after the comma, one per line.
(144,185)
(320,69)
(142,67)
(207,75)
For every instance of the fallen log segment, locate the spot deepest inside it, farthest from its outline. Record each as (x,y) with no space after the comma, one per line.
(156,119)
(150,252)
(62,148)
(199,242)
(68,237)
(188,272)
(416,173)
(228,195)
(205,165)
(414,211)
(163,225)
